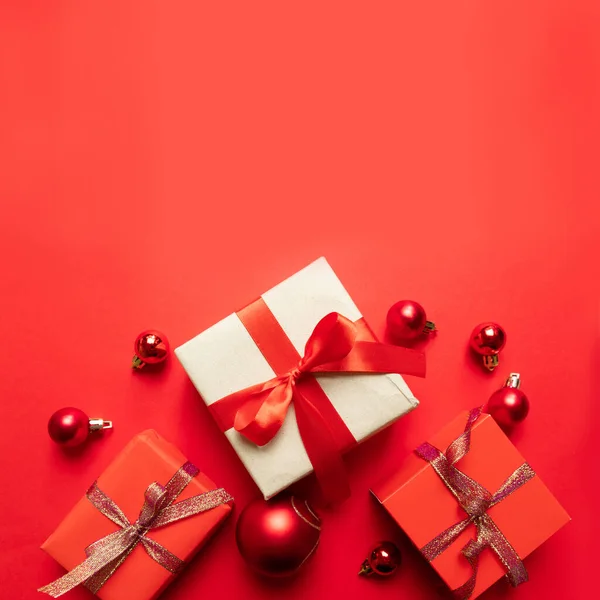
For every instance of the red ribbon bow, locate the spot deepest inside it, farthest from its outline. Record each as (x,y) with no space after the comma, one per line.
(258,412)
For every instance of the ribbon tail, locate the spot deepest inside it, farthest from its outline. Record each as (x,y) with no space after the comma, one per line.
(162,556)
(322,450)
(471,552)
(444,540)
(516,572)
(92,565)
(96,581)
(373,357)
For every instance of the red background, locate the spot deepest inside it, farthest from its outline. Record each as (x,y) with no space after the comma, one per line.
(161,164)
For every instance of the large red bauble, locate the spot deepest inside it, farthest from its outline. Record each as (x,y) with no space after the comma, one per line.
(69,426)
(406,321)
(276,537)
(509,405)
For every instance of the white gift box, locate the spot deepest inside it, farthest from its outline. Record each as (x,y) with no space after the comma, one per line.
(224,359)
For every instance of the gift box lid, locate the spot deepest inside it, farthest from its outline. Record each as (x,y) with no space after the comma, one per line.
(147,458)
(423,506)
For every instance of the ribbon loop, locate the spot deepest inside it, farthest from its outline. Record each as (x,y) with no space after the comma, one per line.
(259,411)
(475,501)
(106,555)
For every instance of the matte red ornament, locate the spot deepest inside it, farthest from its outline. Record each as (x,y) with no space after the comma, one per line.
(150,347)
(487,340)
(383,560)
(275,538)
(71,426)
(509,405)
(406,321)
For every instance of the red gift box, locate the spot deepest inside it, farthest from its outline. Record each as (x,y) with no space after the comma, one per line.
(146,459)
(423,505)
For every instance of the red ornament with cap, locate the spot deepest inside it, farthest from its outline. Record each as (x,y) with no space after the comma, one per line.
(71,426)
(487,340)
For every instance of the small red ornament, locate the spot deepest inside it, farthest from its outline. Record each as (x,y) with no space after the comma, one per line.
(406,321)
(509,405)
(71,426)
(150,347)
(487,340)
(275,538)
(383,560)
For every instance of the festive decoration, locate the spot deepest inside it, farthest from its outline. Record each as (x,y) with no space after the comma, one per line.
(475,500)
(509,405)
(383,560)
(150,348)
(71,426)
(487,340)
(269,330)
(275,538)
(107,524)
(406,321)
(442,502)
(105,555)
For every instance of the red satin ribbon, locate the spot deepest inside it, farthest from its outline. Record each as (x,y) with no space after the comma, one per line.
(258,412)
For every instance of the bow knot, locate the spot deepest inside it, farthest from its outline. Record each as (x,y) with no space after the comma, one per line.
(296,373)
(331,348)
(106,555)
(475,506)
(259,411)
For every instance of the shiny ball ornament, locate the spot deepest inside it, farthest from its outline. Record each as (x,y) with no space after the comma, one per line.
(150,348)
(275,538)
(487,340)
(71,426)
(383,560)
(406,321)
(509,405)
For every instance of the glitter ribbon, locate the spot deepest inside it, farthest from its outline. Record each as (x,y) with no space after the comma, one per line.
(106,555)
(475,500)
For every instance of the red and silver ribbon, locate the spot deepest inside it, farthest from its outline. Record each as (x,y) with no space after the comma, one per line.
(475,500)
(106,555)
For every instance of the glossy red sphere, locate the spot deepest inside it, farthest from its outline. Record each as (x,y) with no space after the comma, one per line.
(151,347)
(276,537)
(69,426)
(508,406)
(406,320)
(488,339)
(383,560)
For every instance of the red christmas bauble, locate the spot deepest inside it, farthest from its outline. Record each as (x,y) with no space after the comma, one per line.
(509,405)
(71,426)
(487,340)
(406,321)
(150,348)
(276,537)
(383,560)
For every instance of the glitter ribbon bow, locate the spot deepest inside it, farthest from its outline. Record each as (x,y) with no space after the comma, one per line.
(475,500)
(106,555)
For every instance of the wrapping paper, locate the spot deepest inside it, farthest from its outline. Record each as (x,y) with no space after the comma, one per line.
(224,359)
(423,506)
(147,458)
